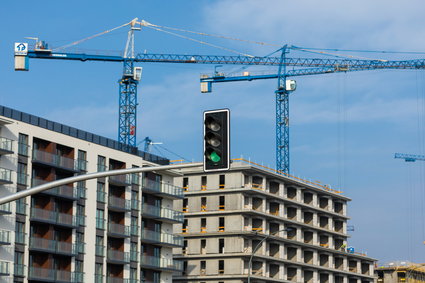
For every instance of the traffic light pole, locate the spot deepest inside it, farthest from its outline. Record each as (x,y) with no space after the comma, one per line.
(47,186)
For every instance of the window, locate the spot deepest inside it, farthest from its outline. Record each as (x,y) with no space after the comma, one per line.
(23,145)
(221,182)
(203,183)
(221,246)
(203,246)
(101,194)
(221,267)
(221,203)
(82,160)
(203,267)
(203,225)
(185,184)
(185,204)
(101,163)
(22,174)
(221,224)
(203,204)
(100,221)
(184,226)
(20,232)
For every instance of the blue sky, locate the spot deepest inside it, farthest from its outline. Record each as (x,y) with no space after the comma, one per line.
(345,128)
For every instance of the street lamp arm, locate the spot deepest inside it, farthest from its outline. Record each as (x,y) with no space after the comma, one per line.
(50,185)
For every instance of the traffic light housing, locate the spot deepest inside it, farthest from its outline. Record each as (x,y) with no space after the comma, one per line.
(216,140)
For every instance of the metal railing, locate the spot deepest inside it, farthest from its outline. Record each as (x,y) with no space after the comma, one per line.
(62,191)
(5,175)
(172,214)
(120,203)
(4,237)
(151,210)
(6,144)
(114,255)
(54,159)
(123,179)
(158,237)
(162,187)
(47,274)
(119,229)
(57,217)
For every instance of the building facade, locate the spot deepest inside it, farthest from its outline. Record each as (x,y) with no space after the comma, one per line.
(250,222)
(106,230)
(401,272)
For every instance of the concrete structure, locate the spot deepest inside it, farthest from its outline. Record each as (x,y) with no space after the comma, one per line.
(228,214)
(401,271)
(116,229)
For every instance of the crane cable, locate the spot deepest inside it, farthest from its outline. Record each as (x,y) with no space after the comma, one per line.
(200,41)
(420,107)
(218,36)
(90,37)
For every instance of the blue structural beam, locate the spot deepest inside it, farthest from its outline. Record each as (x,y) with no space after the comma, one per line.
(342,65)
(409,157)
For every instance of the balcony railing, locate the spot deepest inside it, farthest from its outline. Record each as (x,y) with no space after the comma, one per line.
(54,159)
(57,218)
(5,208)
(20,237)
(52,246)
(135,204)
(119,229)
(5,237)
(119,280)
(6,144)
(171,239)
(163,263)
(5,176)
(80,247)
(172,214)
(118,256)
(64,191)
(119,203)
(150,235)
(101,168)
(19,270)
(162,188)
(120,179)
(135,178)
(46,274)
(81,165)
(158,237)
(4,268)
(98,278)
(134,256)
(22,179)
(134,230)
(151,210)
(23,149)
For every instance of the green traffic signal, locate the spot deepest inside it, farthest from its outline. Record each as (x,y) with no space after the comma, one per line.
(215,157)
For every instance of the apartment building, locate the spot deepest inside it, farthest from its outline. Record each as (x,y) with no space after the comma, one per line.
(401,271)
(107,230)
(298,227)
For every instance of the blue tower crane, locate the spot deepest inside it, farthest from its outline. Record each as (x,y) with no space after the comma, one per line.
(131,76)
(409,157)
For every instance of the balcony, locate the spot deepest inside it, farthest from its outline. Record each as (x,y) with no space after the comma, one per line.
(52,246)
(5,176)
(171,239)
(161,238)
(4,268)
(5,208)
(119,204)
(118,230)
(46,275)
(118,280)
(64,191)
(6,146)
(55,160)
(20,238)
(5,237)
(162,188)
(120,180)
(162,263)
(58,218)
(19,270)
(118,257)
(165,214)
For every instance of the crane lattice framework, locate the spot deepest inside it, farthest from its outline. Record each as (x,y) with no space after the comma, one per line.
(131,76)
(409,157)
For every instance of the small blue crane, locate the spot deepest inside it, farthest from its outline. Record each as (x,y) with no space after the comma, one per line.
(409,157)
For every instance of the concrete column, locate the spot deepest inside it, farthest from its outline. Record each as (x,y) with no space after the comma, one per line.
(330,223)
(331,242)
(299,255)
(298,197)
(315,276)
(315,219)
(345,264)
(315,258)
(300,277)
(359,266)
(330,204)
(331,261)
(299,235)
(299,215)
(345,279)
(371,269)
(331,278)
(281,190)
(314,201)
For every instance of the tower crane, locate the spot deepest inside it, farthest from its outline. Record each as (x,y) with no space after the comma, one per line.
(132,74)
(409,157)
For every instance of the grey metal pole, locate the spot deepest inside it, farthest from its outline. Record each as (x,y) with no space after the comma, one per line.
(89,176)
(256,249)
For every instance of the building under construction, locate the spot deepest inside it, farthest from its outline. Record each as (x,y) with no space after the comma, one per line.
(250,224)
(396,272)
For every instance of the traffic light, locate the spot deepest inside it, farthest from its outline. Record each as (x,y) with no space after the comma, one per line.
(216,140)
